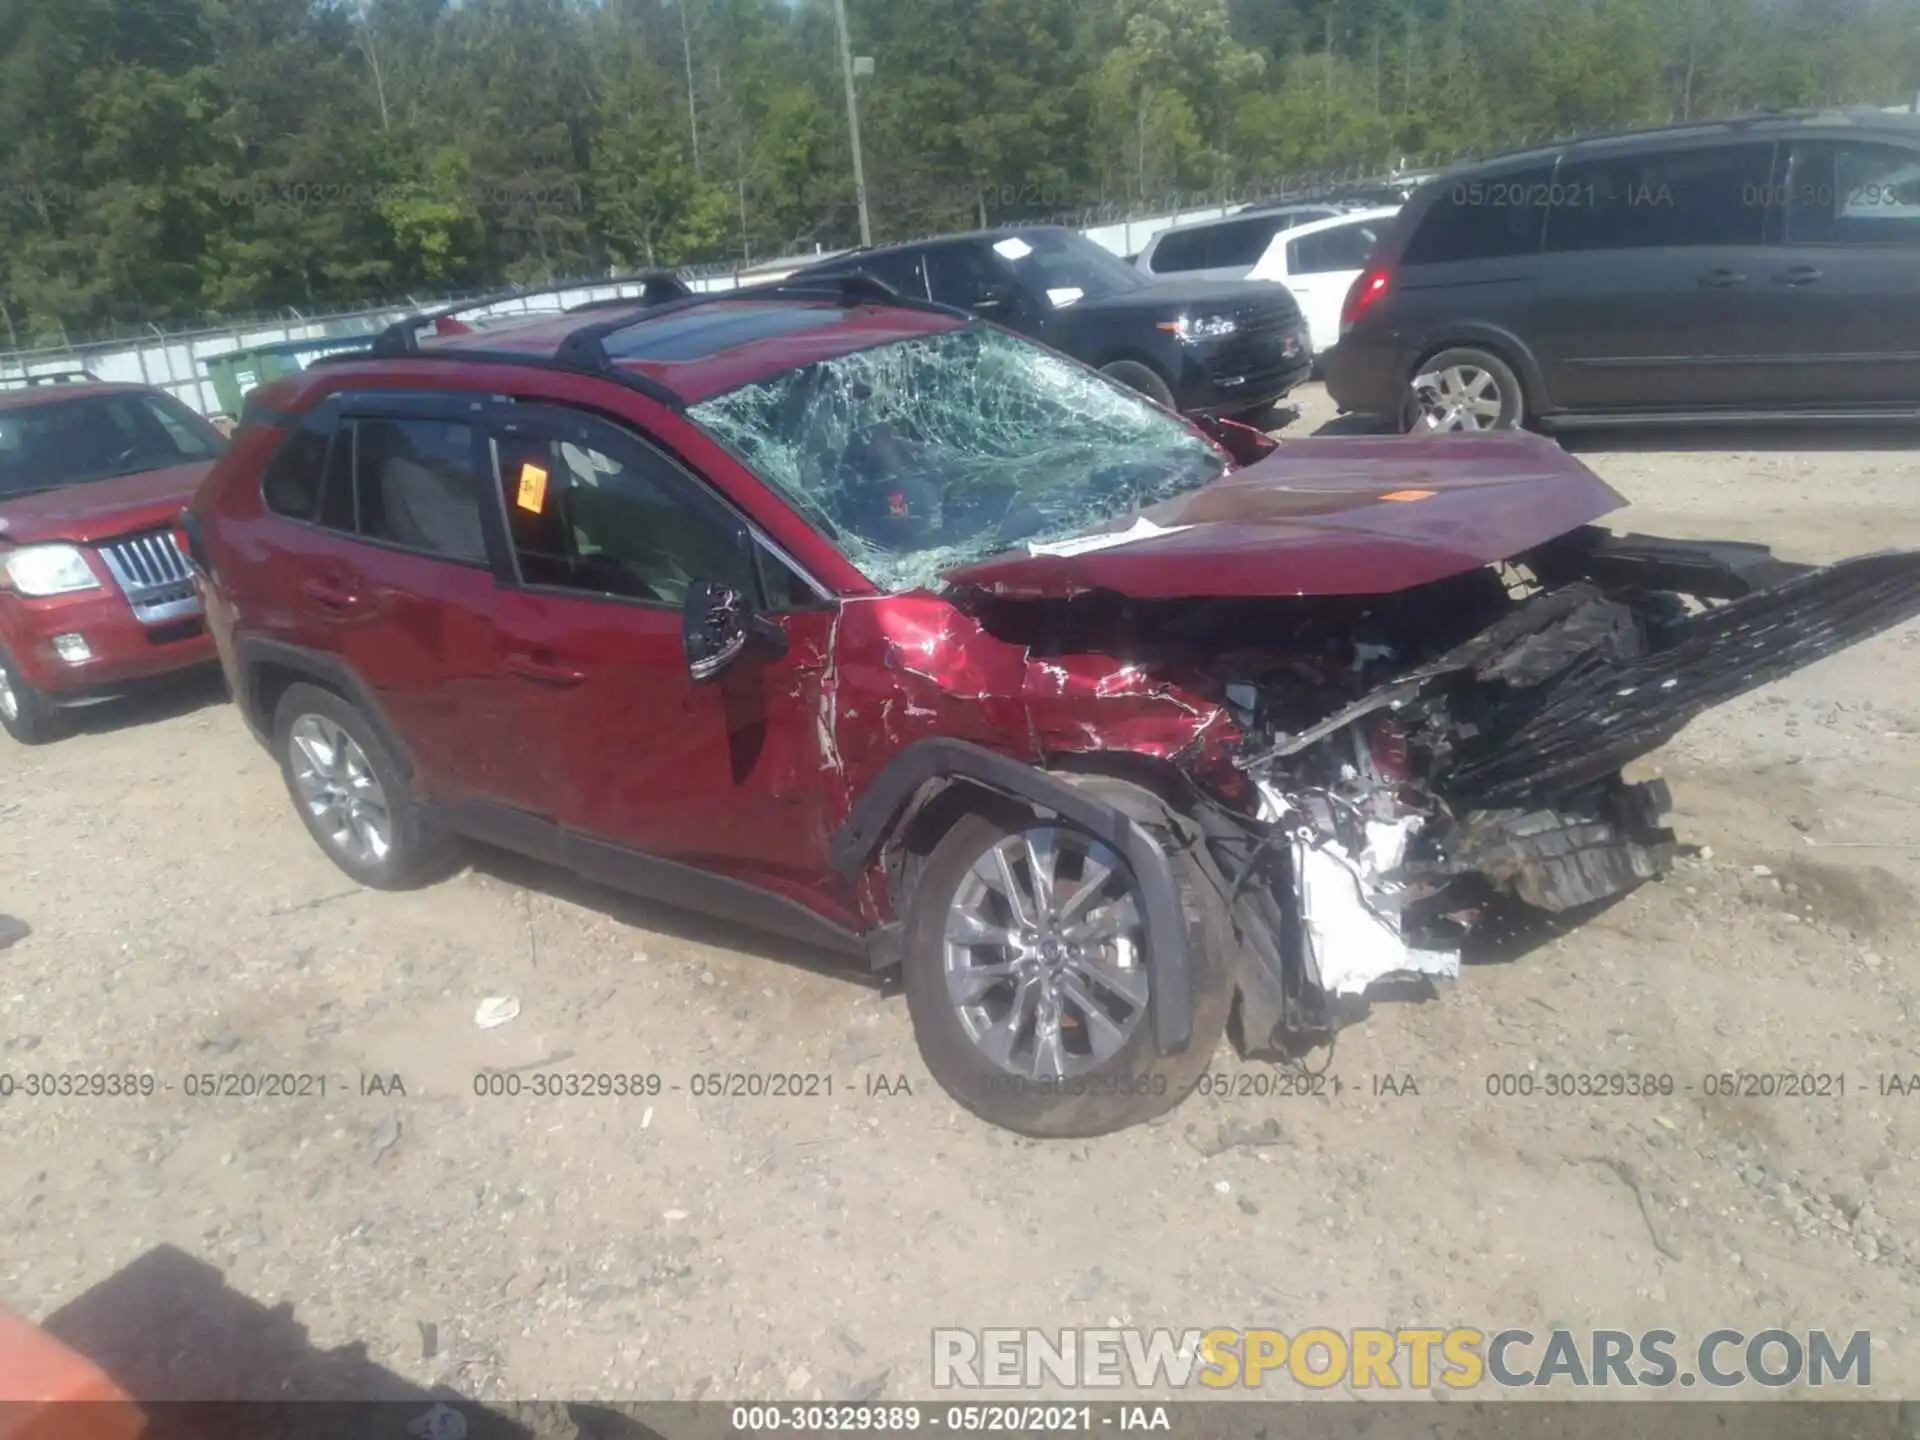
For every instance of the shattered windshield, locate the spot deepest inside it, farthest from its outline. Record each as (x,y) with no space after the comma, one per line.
(930,453)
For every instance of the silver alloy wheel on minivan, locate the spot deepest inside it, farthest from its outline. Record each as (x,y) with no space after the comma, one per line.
(9,701)
(1458,397)
(340,790)
(1044,956)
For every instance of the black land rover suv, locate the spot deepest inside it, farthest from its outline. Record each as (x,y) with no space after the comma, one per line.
(1734,270)
(1203,347)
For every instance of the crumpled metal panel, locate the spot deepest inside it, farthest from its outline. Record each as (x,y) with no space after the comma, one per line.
(1607,709)
(907,667)
(1339,515)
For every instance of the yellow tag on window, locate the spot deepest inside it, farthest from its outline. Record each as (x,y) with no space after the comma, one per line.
(1404,495)
(533,489)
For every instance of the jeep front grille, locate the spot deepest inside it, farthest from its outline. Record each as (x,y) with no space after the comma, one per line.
(153,574)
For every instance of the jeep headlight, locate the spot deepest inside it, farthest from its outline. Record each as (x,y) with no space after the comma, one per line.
(1194,328)
(48,570)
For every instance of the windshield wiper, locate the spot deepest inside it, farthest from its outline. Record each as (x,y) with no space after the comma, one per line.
(6,495)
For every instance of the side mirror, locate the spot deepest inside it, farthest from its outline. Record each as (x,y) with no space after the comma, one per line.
(719,624)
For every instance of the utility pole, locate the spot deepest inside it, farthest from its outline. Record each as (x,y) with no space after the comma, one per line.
(693,115)
(853,120)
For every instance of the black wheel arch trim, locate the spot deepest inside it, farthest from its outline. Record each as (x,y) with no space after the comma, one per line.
(874,815)
(328,671)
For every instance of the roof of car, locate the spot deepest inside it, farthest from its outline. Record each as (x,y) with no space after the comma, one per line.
(1762,123)
(1250,212)
(705,346)
(1334,222)
(997,232)
(25,396)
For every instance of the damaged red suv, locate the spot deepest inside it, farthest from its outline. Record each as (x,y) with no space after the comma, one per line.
(880,628)
(95,597)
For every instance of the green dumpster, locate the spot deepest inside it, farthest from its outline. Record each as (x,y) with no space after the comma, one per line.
(239,371)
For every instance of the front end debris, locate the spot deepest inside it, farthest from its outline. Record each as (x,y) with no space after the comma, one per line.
(1410,793)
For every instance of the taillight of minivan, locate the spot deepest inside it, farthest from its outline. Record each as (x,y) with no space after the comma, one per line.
(1368,286)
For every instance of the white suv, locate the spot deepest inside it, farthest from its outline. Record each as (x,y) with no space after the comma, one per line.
(1319,262)
(1223,249)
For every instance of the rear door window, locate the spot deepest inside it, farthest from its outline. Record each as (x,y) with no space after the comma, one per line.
(1710,196)
(415,486)
(291,484)
(1240,242)
(1180,250)
(898,270)
(964,275)
(1852,192)
(1342,247)
(1484,217)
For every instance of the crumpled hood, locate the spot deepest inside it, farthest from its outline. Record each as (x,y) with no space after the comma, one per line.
(1336,515)
(101,509)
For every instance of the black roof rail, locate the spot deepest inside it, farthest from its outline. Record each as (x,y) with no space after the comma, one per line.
(403,338)
(584,350)
(526,360)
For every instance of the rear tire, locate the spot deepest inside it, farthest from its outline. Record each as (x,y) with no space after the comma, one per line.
(959,1016)
(1143,378)
(351,794)
(1463,388)
(27,713)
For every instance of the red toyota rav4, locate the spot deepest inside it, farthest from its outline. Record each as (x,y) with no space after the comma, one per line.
(881,628)
(95,598)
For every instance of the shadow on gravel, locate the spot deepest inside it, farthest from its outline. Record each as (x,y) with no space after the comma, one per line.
(206,1362)
(518,870)
(1510,931)
(162,700)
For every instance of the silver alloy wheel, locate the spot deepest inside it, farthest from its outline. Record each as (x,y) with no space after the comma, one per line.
(1045,965)
(1460,397)
(9,701)
(338,787)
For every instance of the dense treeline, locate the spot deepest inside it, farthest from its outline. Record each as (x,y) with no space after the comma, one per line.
(169,160)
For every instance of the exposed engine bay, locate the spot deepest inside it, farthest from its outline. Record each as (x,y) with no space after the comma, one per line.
(1413,766)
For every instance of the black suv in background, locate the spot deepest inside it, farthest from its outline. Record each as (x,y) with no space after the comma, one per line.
(1203,347)
(1741,269)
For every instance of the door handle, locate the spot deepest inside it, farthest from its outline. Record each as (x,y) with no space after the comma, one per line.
(331,593)
(543,670)
(1722,279)
(1797,275)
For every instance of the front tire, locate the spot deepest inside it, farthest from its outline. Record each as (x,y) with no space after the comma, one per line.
(27,713)
(1029,984)
(1143,378)
(1463,388)
(351,794)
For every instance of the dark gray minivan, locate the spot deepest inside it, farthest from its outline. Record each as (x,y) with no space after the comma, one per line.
(1759,268)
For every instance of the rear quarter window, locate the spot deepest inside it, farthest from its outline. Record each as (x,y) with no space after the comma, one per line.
(291,483)
(1481,217)
(1179,250)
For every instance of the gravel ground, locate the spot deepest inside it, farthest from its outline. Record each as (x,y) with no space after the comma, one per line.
(678,1246)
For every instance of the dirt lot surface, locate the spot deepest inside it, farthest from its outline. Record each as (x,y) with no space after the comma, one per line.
(676,1246)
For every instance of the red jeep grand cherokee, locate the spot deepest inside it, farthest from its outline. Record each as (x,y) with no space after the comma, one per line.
(881,628)
(94,596)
